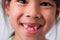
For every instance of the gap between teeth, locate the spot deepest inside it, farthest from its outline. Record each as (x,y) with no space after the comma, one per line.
(30,28)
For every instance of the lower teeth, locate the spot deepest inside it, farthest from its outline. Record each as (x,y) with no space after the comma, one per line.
(30,29)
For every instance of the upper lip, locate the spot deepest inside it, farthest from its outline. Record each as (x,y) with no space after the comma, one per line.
(32,24)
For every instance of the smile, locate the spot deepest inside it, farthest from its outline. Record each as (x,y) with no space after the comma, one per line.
(31,28)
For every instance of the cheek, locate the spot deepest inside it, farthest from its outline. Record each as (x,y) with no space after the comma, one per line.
(15,10)
(49,16)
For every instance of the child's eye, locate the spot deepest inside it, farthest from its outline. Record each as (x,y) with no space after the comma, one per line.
(45,4)
(22,1)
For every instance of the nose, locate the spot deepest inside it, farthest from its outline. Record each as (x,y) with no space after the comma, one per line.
(33,16)
(32,11)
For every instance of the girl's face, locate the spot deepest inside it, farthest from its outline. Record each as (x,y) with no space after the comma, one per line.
(31,19)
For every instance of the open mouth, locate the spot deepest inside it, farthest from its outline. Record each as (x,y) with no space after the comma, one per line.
(31,28)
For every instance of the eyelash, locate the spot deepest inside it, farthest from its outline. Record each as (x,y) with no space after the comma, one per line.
(45,4)
(41,4)
(23,1)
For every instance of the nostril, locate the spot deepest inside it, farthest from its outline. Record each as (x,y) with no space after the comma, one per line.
(27,16)
(36,17)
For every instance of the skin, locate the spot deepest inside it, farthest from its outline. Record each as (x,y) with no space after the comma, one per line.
(31,12)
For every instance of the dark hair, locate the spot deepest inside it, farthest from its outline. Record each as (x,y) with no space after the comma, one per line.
(57,2)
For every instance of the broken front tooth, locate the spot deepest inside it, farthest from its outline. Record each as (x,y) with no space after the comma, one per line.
(25,26)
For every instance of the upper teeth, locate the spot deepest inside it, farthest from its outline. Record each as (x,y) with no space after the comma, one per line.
(36,27)
(30,28)
(25,26)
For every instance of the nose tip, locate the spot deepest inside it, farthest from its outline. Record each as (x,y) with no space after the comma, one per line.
(35,17)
